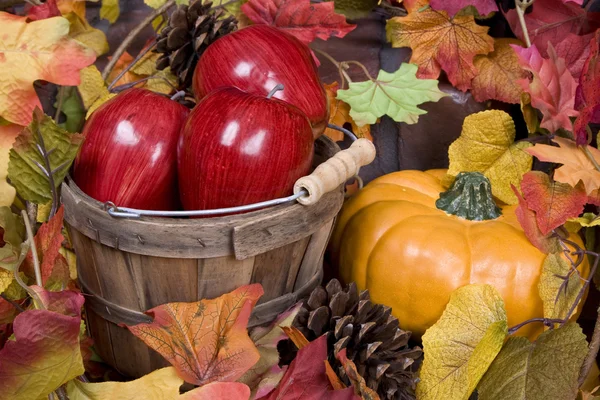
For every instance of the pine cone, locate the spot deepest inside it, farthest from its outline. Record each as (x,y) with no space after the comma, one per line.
(368,332)
(190,30)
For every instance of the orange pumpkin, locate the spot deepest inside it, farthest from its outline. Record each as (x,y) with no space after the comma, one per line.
(391,239)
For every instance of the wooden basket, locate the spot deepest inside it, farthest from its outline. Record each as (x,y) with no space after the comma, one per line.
(127,266)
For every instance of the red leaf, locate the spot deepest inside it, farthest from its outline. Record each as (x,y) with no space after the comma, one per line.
(553,202)
(564,24)
(218,391)
(484,7)
(7,312)
(587,98)
(48,9)
(301,18)
(552,89)
(65,302)
(205,341)
(527,219)
(305,378)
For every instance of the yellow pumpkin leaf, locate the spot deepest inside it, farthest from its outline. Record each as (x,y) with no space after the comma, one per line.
(462,344)
(545,369)
(8,134)
(110,10)
(486,145)
(84,33)
(558,296)
(92,86)
(339,114)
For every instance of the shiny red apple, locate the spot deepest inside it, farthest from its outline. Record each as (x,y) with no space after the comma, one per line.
(129,155)
(257,58)
(239,148)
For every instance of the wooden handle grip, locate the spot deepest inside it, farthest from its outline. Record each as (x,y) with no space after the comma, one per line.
(335,171)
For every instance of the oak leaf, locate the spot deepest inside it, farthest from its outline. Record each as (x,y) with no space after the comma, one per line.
(553,202)
(41,151)
(439,42)
(452,7)
(37,50)
(45,353)
(498,73)
(576,167)
(545,369)
(305,20)
(556,292)
(339,114)
(486,145)
(394,94)
(462,344)
(552,88)
(587,96)
(205,341)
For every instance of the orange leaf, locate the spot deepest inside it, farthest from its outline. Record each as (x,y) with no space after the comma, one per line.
(339,114)
(498,73)
(38,50)
(440,43)
(129,76)
(576,168)
(295,336)
(358,382)
(205,341)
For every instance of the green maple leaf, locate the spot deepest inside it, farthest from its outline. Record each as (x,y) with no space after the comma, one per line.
(42,153)
(395,94)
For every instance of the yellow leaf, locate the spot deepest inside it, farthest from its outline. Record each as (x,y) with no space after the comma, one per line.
(76,6)
(162,384)
(557,295)
(71,261)
(160,3)
(462,344)
(6,277)
(146,65)
(14,291)
(36,50)
(92,86)
(8,134)
(84,33)
(43,212)
(159,82)
(486,145)
(110,10)
(98,103)
(339,114)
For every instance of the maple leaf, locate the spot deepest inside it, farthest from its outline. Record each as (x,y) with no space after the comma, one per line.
(452,7)
(565,25)
(587,96)
(439,42)
(552,89)
(38,50)
(498,73)
(207,340)
(576,168)
(301,18)
(8,134)
(339,114)
(45,353)
(553,202)
(305,379)
(394,94)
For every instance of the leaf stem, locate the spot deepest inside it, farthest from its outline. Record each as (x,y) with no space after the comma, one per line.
(131,64)
(365,70)
(48,169)
(343,74)
(545,321)
(590,157)
(592,351)
(60,99)
(132,35)
(521,7)
(31,239)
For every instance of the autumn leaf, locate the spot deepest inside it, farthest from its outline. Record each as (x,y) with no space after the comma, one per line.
(452,7)
(462,344)
(110,10)
(45,10)
(305,379)
(13,234)
(205,341)
(218,391)
(305,20)
(553,202)
(8,134)
(552,89)
(545,369)
(92,87)
(38,50)
(40,151)
(587,95)
(486,145)
(565,25)
(45,353)
(498,73)
(557,295)
(394,94)
(576,168)
(358,382)
(262,376)
(439,42)
(339,114)
(73,110)
(144,69)
(355,9)
(84,33)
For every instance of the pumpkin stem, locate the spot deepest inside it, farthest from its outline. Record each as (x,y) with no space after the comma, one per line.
(470,197)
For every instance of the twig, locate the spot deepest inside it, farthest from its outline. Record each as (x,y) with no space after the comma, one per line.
(61,393)
(12,303)
(343,74)
(546,321)
(131,36)
(41,147)
(521,7)
(131,64)
(60,98)
(365,70)
(586,284)
(592,352)
(31,239)
(32,210)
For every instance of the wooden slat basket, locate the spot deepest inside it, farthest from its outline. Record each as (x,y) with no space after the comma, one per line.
(127,266)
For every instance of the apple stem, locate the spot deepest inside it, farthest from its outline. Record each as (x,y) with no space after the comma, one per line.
(276,89)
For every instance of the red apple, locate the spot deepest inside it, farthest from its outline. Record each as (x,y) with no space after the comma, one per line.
(129,155)
(257,58)
(239,148)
